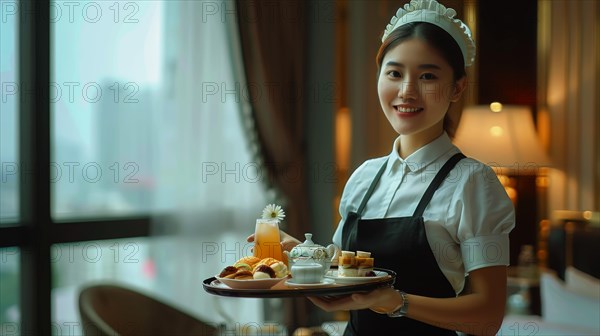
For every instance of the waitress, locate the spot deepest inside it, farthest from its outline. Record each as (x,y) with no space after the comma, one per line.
(425,211)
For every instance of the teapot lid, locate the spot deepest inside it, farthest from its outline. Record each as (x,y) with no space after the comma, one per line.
(307,245)
(308,242)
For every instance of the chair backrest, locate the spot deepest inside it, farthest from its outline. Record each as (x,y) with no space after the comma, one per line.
(570,239)
(114,310)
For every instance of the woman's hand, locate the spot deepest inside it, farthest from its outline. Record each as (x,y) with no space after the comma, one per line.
(381,300)
(287,242)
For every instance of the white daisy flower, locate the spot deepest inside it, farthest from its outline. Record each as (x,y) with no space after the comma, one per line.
(273,211)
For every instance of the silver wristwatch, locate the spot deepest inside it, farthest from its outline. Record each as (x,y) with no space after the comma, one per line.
(403,309)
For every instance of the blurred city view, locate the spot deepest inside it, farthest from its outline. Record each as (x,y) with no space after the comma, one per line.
(129,136)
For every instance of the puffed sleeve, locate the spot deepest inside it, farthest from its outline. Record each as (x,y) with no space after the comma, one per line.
(484,216)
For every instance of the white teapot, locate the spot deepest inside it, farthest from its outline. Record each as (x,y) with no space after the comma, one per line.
(309,253)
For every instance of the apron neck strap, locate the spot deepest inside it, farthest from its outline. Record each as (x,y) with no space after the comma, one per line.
(363,203)
(437,180)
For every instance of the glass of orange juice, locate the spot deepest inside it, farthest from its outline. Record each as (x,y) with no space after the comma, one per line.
(267,241)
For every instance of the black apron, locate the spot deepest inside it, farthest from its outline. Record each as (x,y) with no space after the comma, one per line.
(399,244)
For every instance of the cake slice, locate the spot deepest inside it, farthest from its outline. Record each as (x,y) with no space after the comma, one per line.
(347,265)
(359,264)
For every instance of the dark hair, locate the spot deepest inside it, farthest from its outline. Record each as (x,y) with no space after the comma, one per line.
(432,34)
(439,39)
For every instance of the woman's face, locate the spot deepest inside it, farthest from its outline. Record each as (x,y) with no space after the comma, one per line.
(415,87)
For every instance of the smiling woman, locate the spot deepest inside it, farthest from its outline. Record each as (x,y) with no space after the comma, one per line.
(425,195)
(446,55)
(401,80)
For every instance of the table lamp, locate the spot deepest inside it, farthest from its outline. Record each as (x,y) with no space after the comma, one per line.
(502,136)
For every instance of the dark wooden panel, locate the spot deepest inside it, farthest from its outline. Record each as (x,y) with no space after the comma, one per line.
(507,42)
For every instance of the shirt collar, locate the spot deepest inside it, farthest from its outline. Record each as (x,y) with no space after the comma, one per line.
(424,156)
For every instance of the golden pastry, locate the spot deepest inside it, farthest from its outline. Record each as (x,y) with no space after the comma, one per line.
(266,261)
(243,275)
(244,266)
(264,272)
(228,271)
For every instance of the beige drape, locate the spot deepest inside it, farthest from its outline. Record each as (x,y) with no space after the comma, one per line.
(274,58)
(273,43)
(569,111)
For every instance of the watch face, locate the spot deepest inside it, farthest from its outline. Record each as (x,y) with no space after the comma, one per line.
(397,313)
(401,311)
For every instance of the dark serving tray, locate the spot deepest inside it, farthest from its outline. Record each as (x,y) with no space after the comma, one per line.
(281,290)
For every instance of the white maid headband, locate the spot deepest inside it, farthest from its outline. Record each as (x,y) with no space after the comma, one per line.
(435,13)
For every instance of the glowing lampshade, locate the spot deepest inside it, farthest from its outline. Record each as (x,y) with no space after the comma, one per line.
(502,136)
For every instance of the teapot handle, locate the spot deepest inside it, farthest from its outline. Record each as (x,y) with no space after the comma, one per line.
(334,250)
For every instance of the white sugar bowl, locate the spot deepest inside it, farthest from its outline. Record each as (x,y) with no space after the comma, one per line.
(307,273)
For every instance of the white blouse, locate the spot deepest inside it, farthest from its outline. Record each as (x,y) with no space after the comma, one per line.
(468,219)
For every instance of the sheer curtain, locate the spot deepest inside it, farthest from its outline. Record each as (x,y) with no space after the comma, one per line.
(146,119)
(207,180)
(273,39)
(568,114)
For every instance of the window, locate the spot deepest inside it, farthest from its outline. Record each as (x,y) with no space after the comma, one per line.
(135,141)
(9,165)
(9,290)
(9,103)
(106,96)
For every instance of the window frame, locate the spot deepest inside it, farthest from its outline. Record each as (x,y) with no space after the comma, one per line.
(35,231)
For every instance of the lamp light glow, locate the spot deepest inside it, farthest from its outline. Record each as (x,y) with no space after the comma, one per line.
(502,139)
(496,131)
(496,107)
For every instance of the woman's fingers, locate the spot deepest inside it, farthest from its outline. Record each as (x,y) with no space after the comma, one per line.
(287,242)
(333,304)
(376,298)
